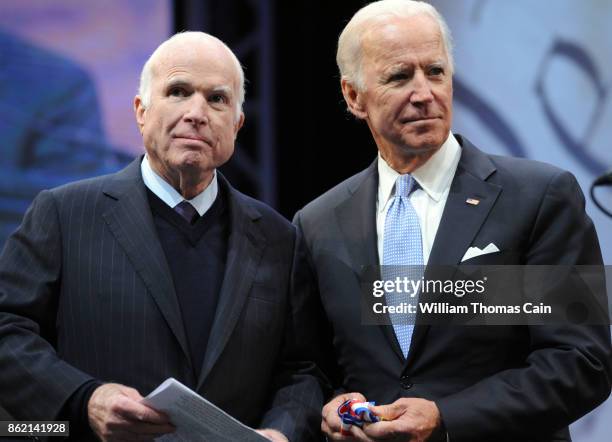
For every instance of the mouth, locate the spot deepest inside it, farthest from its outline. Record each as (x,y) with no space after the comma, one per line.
(190,137)
(418,120)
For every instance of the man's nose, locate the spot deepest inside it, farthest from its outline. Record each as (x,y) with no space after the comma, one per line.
(197,111)
(422,93)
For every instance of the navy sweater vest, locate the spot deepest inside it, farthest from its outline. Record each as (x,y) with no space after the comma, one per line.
(196,256)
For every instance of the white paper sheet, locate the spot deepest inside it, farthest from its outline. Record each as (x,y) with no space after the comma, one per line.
(195,418)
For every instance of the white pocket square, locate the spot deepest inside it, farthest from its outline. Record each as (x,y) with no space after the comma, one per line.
(473,252)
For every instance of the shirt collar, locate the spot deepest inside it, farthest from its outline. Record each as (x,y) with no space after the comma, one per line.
(170,196)
(434,177)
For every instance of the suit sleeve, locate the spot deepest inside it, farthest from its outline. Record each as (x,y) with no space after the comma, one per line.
(300,388)
(35,382)
(306,281)
(567,369)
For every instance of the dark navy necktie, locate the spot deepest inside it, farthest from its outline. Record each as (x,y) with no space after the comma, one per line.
(187,211)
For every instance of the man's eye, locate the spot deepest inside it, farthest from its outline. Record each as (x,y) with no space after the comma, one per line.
(436,71)
(178,92)
(218,98)
(397,77)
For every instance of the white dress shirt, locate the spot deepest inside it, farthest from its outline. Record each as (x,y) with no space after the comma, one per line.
(434,178)
(168,194)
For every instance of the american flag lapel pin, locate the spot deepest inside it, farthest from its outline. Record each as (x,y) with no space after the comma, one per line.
(472,201)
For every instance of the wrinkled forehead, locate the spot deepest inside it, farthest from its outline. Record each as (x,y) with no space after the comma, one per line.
(195,58)
(389,34)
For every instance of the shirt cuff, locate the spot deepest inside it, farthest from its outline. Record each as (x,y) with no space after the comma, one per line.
(75,409)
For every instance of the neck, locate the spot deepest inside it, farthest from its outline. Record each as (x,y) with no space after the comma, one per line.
(189,182)
(190,187)
(403,164)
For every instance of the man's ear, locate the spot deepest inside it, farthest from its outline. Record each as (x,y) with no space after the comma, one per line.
(238,124)
(354,99)
(139,111)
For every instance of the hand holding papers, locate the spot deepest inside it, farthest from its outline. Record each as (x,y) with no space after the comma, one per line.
(195,418)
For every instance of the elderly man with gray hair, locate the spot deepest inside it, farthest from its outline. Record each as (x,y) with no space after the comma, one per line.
(432,198)
(113,284)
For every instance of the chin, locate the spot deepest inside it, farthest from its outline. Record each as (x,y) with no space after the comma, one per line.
(424,144)
(194,167)
(412,148)
(190,157)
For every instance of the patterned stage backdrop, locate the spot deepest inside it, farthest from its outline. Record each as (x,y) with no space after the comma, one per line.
(533,79)
(68,76)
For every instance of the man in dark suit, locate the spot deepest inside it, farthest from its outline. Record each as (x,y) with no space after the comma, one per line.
(113,284)
(432,198)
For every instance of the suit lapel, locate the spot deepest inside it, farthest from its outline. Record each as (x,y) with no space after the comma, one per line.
(460,221)
(245,249)
(357,222)
(131,222)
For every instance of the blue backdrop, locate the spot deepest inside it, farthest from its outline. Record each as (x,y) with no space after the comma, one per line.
(533,79)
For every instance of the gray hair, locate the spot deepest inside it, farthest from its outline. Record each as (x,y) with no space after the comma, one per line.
(144,88)
(349,56)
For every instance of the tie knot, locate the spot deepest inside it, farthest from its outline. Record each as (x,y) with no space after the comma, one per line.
(187,211)
(405,185)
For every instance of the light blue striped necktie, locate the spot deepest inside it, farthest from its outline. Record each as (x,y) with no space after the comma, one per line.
(402,246)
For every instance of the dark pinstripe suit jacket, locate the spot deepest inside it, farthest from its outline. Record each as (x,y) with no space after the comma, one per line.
(85,292)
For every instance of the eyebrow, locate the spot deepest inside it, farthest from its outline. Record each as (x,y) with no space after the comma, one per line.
(398,69)
(223,89)
(438,63)
(394,70)
(176,81)
(403,67)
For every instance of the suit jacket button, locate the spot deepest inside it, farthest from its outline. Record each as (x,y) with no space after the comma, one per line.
(406,384)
